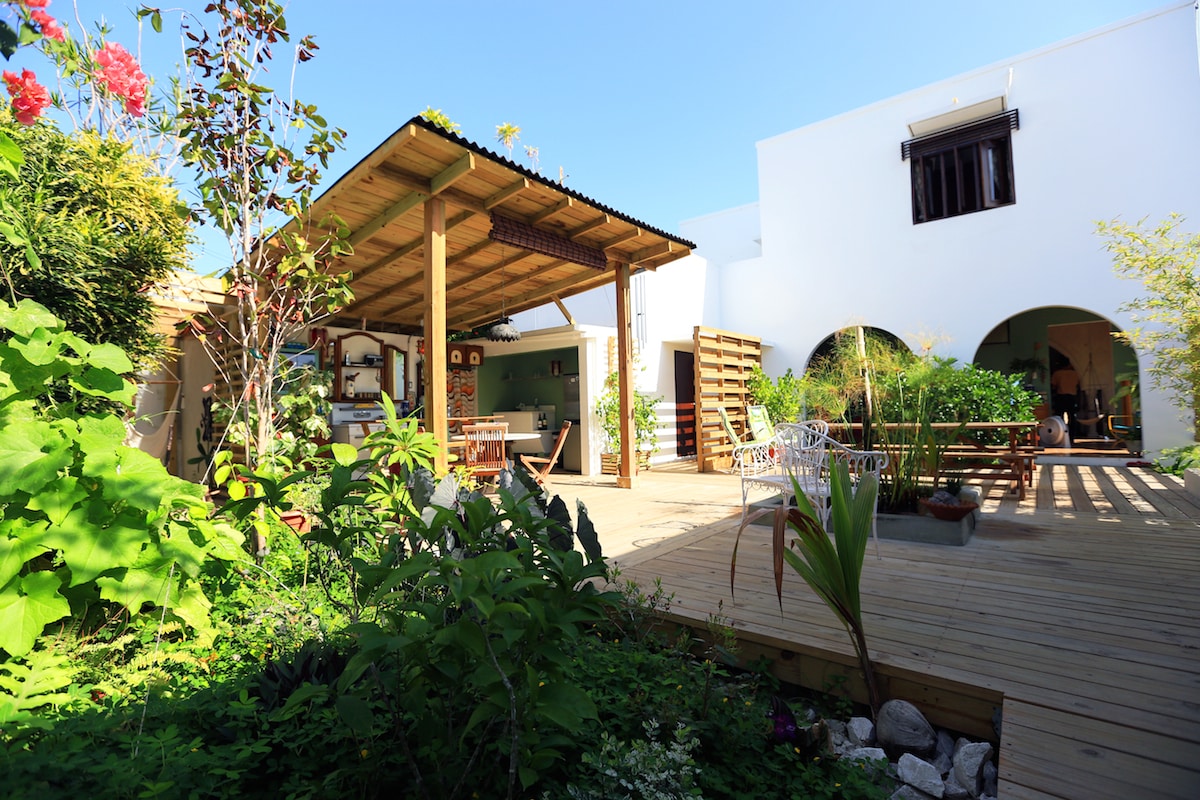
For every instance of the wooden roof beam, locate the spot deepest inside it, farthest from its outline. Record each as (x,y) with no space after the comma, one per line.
(418,184)
(394,212)
(662,248)
(446,178)
(393,257)
(404,284)
(621,238)
(561,205)
(508,191)
(363,170)
(587,227)
(563,309)
(565,288)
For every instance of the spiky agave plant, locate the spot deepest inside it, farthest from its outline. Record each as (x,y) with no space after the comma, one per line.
(831,568)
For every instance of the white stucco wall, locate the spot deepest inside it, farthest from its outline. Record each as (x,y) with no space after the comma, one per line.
(1107,127)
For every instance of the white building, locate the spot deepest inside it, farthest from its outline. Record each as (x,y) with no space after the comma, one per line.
(980,231)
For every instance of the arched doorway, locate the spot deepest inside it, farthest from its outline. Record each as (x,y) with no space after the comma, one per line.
(1097,372)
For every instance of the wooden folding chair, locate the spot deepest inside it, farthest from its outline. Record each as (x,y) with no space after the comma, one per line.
(539,466)
(484,454)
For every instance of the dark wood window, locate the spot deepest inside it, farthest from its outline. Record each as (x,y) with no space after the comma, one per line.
(967,168)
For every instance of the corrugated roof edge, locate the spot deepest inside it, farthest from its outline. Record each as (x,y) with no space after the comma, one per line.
(483,151)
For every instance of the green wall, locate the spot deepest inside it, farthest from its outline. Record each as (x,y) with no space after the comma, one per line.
(505,381)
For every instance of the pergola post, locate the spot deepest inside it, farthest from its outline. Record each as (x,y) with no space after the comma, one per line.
(435,328)
(628,466)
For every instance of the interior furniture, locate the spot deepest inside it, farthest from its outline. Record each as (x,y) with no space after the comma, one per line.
(484,454)
(360,368)
(539,466)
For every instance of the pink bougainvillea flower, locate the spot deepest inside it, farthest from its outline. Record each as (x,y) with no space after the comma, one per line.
(118,72)
(35,3)
(49,26)
(29,98)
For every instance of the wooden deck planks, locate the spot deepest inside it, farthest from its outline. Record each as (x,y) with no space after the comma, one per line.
(1080,604)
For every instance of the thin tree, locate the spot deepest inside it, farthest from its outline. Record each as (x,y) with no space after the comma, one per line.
(1167,317)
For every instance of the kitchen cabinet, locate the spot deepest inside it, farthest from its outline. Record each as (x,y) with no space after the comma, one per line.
(361,367)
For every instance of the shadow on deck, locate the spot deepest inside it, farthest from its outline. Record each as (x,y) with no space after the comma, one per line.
(1076,611)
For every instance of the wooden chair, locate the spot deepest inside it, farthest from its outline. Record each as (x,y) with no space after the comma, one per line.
(541,474)
(484,453)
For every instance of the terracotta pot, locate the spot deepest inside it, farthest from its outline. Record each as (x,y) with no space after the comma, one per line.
(945,511)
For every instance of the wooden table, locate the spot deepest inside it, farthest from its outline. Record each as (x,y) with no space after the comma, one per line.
(1016,460)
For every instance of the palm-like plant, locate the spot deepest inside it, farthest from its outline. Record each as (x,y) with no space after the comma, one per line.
(507,134)
(831,568)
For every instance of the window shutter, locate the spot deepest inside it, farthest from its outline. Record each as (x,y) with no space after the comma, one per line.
(961,134)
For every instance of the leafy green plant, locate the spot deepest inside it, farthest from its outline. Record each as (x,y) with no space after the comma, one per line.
(1178,460)
(1167,318)
(832,569)
(257,156)
(645,417)
(782,397)
(656,767)
(86,227)
(86,523)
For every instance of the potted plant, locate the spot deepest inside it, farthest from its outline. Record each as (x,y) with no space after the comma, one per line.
(645,425)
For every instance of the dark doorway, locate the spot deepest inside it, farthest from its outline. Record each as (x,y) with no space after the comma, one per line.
(685,403)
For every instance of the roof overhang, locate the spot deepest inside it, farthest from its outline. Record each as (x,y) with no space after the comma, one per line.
(550,242)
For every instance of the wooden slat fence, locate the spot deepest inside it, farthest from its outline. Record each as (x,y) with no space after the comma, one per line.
(724,361)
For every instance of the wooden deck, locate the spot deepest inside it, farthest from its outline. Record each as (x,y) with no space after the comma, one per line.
(1077,611)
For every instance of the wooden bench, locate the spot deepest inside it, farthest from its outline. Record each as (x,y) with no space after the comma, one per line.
(969,458)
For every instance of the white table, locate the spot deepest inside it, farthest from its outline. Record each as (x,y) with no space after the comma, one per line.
(459,440)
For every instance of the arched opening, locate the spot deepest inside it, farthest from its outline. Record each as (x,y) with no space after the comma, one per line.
(1070,357)
(846,336)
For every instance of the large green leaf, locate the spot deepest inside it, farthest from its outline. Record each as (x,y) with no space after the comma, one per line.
(27,606)
(30,458)
(18,543)
(58,498)
(138,480)
(26,317)
(146,582)
(99,440)
(90,549)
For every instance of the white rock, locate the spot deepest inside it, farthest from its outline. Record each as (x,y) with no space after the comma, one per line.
(990,778)
(920,775)
(900,727)
(908,793)
(954,790)
(861,731)
(866,754)
(969,758)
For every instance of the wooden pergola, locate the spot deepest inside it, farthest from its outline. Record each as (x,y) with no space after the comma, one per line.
(449,236)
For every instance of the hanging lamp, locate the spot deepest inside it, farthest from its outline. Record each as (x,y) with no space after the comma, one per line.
(503,330)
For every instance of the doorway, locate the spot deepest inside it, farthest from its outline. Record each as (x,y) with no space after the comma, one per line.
(685,403)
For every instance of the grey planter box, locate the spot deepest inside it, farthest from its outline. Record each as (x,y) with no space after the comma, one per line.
(908,527)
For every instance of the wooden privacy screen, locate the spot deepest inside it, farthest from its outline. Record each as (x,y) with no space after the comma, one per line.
(724,361)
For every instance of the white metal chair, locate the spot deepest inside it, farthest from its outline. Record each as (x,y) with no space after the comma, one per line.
(807,454)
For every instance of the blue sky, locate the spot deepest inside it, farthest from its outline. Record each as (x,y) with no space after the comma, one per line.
(652,107)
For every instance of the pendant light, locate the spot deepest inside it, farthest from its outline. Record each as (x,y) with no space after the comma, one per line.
(503,330)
